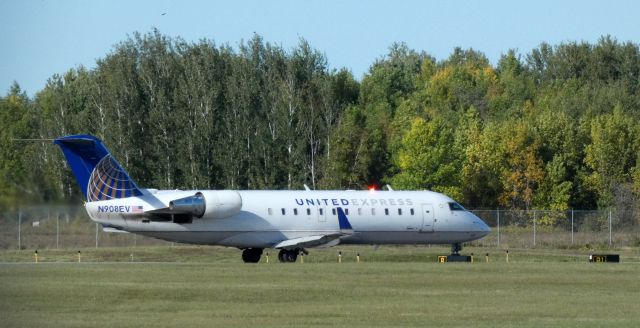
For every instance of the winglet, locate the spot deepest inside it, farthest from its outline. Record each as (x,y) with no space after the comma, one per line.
(345,226)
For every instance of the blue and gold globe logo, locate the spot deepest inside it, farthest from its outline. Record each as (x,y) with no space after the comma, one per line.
(109,180)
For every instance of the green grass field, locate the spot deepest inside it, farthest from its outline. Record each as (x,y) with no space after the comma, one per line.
(394,286)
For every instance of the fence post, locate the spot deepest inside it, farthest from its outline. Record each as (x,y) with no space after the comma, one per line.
(48,215)
(610,227)
(534,228)
(572,226)
(498,227)
(57,229)
(19,228)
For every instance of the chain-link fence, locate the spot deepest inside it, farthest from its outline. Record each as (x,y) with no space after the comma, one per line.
(40,227)
(560,229)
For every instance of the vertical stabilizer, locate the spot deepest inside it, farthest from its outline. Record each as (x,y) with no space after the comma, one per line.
(99,175)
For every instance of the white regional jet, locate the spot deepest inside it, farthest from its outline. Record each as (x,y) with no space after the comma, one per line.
(254,220)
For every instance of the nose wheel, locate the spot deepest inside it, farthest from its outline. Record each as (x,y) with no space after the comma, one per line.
(455,255)
(456,248)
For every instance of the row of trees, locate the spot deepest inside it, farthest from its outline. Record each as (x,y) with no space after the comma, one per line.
(554,129)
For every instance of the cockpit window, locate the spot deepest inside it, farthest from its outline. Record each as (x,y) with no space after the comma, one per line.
(456,207)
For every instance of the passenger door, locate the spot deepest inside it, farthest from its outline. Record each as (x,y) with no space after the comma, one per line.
(427,218)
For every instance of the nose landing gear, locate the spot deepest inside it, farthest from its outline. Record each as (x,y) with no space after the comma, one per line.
(455,249)
(455,255)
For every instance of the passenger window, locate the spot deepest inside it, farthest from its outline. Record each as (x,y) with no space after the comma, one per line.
(411,211)
(333,211)
(283,211)
(308,211)
(359,211)
(320,211)
(346,211)
(399,211)
(386,211)
(373,211)
(295,211)
(270,211)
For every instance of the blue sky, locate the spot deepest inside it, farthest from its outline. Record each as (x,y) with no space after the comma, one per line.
(39,38)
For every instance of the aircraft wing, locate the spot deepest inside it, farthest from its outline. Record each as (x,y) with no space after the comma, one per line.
(310,241)
(108,228)
(324,240)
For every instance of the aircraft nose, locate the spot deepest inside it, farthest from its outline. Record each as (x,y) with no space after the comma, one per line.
(479,225)
(484,227)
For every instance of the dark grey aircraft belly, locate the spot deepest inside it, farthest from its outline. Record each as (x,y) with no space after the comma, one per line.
(265,239)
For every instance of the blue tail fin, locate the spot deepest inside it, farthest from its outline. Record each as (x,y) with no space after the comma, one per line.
(99,175)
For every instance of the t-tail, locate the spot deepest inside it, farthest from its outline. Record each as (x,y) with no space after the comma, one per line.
(99,175)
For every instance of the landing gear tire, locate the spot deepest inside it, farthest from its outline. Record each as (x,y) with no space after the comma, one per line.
(251,255)
(456,248)
(288,255)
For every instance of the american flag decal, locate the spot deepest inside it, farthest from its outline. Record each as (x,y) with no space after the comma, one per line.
(136,209)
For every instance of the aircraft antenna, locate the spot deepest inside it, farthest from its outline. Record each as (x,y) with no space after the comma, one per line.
(14,139)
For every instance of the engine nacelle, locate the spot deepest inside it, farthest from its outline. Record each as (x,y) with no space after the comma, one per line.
(194,205)
(209,204)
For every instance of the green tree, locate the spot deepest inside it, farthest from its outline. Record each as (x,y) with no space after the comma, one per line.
(611,155)
(482,166)
(427,159)
(523,169)
(14,118)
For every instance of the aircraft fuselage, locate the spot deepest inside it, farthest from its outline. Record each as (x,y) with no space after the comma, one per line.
(269,217)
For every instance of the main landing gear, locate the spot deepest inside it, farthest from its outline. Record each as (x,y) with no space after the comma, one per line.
(251,255)
(286,255)
(290,255)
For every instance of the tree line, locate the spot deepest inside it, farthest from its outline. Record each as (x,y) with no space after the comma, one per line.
(555,128)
